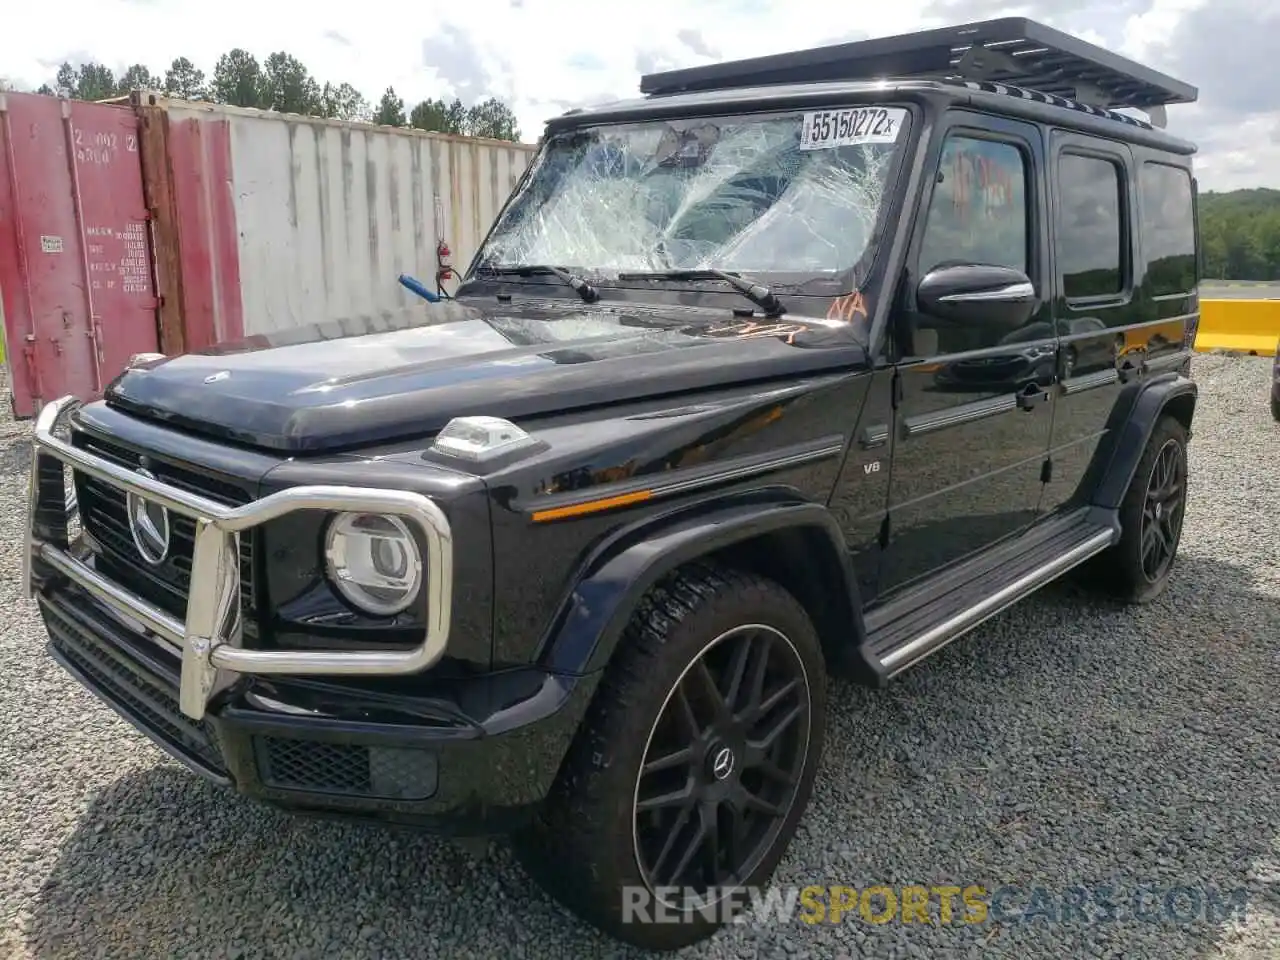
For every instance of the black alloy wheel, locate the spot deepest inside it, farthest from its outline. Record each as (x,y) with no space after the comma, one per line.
(691,770)
(1163,510)
(722,764)
(1138,567)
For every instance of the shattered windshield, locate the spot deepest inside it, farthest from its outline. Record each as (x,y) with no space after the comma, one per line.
(796,193)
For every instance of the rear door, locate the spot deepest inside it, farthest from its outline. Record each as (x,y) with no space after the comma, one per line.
(1098,307)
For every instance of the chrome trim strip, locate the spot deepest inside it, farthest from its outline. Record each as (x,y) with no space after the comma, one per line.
(950,629)
(209,640)
(1090,381)
(959,415)
(1013,293)
(44,425)
(750,470)
(1167,361)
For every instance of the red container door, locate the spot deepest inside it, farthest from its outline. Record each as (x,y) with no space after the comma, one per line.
(76,277)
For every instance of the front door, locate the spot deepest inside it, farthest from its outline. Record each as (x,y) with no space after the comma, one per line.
(974,413)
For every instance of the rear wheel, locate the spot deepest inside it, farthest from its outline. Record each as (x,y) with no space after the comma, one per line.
(694,765)
(1275,408)
(1138,567)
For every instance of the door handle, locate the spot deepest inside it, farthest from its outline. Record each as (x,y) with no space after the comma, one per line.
(1031,396)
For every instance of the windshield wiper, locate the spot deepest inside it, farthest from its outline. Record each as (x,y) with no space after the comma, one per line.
(757,293)
(582,287)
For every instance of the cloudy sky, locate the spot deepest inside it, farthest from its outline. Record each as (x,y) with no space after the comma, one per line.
(544,56)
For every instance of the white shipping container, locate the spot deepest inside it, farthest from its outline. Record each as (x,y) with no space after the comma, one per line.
(327,214)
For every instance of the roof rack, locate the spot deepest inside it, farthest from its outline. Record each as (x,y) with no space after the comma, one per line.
(1009,50)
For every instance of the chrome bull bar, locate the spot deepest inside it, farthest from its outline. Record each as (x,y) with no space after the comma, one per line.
(209,640)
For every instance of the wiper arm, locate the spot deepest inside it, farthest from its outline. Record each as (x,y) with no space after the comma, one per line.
(757,293)
(582,287)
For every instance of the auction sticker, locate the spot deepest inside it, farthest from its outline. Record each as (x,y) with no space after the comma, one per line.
(824,129)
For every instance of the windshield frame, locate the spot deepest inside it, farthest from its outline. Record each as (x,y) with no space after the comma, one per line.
(803,283)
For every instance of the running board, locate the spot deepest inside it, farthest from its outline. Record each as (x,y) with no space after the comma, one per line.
(931,615)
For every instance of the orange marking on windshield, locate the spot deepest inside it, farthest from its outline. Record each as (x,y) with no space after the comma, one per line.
(848,307)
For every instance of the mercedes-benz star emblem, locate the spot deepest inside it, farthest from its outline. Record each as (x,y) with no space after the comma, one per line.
(149,524)
(722,766)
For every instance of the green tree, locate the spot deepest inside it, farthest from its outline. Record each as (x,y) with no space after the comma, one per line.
(89,81)
(493,119)
(1240,234)
(97,82)
(343,102)
(390,111)
(438,116)
(184,81)
(238,80)
(138,77)
(282,82)
(288,86)
(68,80)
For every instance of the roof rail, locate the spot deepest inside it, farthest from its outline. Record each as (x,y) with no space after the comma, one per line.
(1009,50)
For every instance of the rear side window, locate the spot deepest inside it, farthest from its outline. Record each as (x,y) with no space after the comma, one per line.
(1168,229)
(1090,232)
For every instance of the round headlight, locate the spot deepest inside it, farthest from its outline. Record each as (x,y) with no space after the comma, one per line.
(374,561)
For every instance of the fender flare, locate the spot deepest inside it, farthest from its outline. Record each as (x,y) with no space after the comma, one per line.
(611,582)
(1129,429)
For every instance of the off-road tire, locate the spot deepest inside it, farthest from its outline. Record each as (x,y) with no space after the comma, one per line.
(581,847)
(1120,569)
(1275,409)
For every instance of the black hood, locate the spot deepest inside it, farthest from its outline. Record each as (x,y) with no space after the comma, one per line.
(400,375)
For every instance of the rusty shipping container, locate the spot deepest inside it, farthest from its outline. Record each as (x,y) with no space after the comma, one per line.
(165,224)
(77,291)
(281,220)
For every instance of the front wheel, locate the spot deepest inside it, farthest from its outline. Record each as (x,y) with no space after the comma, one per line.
(693,766)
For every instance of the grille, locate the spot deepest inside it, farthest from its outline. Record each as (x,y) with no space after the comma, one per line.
(308,765)
(346,769)
(104,514)
(120,678)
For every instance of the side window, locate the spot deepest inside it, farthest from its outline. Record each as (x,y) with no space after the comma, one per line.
(978,212)
(1168,229)
(1089,231)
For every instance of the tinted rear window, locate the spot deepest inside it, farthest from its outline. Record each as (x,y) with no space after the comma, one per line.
(1090,228)
(1168,229)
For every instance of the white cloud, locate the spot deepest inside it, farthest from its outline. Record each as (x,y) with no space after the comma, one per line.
(539,55)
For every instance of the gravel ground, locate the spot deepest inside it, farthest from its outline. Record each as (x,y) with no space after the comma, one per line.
(1060,744)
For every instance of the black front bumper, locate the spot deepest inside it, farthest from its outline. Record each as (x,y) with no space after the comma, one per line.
(324,748)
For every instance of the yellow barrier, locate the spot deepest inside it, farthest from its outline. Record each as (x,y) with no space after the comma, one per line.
(1241,326)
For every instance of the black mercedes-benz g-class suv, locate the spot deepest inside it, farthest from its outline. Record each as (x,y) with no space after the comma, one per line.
(780,371)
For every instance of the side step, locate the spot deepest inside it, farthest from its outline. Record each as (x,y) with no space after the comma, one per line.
(930,615)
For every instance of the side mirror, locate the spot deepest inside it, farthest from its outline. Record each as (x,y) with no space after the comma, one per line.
(977,294)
